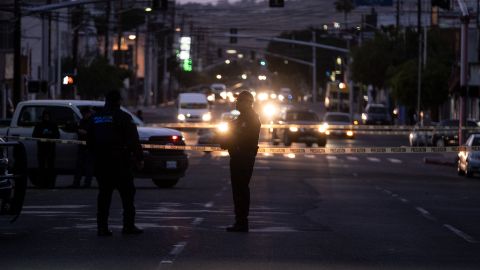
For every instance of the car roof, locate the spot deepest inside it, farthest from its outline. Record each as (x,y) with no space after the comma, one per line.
(64,102)
(189,97)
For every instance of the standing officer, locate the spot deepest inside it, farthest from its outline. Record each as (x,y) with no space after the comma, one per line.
(46,129)
(242,145)
(113,138)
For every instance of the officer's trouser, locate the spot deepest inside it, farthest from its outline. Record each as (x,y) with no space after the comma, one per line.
(123,182)
(46,162)
(241,170)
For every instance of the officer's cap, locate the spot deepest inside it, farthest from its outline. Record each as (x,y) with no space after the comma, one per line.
(245,96)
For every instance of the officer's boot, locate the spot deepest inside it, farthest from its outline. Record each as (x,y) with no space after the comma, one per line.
(239,226)
(129,226)
(102,226)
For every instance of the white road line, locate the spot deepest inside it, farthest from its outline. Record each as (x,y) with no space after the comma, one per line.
(460,234)
(331,157)
(266,168)
(310,156)
(403,200)
(394,160)
(387,191)
(373,159)
(197,221)
(352,158)
(178,248)
(425,213)
(208,205)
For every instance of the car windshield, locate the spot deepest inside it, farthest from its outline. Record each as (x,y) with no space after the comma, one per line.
(476,141)
(337,118)
(193,105)
(301,116)
(380,110)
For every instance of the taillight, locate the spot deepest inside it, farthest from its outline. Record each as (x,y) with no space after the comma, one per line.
(174,138)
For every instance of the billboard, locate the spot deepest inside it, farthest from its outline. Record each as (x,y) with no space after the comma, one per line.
(373,2)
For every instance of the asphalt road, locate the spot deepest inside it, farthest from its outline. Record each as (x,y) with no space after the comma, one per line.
(363,211)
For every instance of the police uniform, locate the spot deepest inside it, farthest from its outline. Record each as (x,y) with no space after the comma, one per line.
(242,145)
(113,139)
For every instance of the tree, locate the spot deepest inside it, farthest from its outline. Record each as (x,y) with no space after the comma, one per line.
(96,79)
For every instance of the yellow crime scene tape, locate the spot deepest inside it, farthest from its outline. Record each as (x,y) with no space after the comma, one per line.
(286,150)
(374,128)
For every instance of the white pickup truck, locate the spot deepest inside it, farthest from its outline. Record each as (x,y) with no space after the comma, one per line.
(164,167)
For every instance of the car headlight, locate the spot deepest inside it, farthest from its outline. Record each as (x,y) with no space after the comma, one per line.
(273,96)
(350,133)
(223,94)
(207,117)
(222,127)
(262,96)
(211,98)
(181,117)
(364,116)
(281,97)
(269,110)
(293,129)
(323,128)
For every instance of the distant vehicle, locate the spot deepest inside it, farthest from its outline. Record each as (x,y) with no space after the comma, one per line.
(193,107)
(333,119)
(213,136)
(445,133)
(420,137)
(165,168)
(219,90)
(376,114)
(309,136)
(336,98)
(469,160)
(285,94)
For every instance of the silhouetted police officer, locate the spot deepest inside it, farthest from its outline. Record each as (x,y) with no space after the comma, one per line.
(113,138)
(46,129)
(242,145)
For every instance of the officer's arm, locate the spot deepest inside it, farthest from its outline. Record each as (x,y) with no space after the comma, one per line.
(133,140)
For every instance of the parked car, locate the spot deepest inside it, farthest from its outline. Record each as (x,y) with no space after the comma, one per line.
(335,119)
(309,136)
(446,132)
(164,167)
(376,114)
(469,160)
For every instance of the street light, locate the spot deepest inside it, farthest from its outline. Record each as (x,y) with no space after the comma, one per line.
(244,76)
(219,77)
(132,37)
(148,9)
(227,62)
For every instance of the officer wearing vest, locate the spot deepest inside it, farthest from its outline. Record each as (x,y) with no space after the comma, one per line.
(113,139)
(242,146)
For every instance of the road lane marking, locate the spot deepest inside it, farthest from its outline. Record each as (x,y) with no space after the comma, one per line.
(394,160)
(331,157)
(310,156)
(425,213)
(178,248)
(208,205)
(373,159)
(197,221)
(403,200)
(352,158)
(460,234)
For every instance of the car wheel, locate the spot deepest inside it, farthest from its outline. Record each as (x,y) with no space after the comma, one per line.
(440,143)
(309,144)
(322,143)
(287,141)
(275,143)
(165,183)
(41,181)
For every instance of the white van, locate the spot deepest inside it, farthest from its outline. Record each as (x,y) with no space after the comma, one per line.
(193,107)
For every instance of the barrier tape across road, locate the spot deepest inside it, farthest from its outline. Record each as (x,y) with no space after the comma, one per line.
(287,150)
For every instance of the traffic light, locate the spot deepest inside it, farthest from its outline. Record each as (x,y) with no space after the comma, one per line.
(277,3)
(160,4)
(443,4)
(68,80)
(233,39)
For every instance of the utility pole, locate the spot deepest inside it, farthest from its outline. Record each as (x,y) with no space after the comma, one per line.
(107,29)
(17,45)
(397,19)
(314,67)
(419,80)
(465,20)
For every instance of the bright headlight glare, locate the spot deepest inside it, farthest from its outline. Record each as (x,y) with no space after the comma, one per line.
(350,133)
(222,127)
(262,96)
(207,117)
(223,95)
(211,97)
(281,97)
(181,117)
(364,116)
(269,110)
(293,129)
(323,128)
(273,96)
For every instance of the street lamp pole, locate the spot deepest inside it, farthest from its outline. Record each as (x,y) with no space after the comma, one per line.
(314,67)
